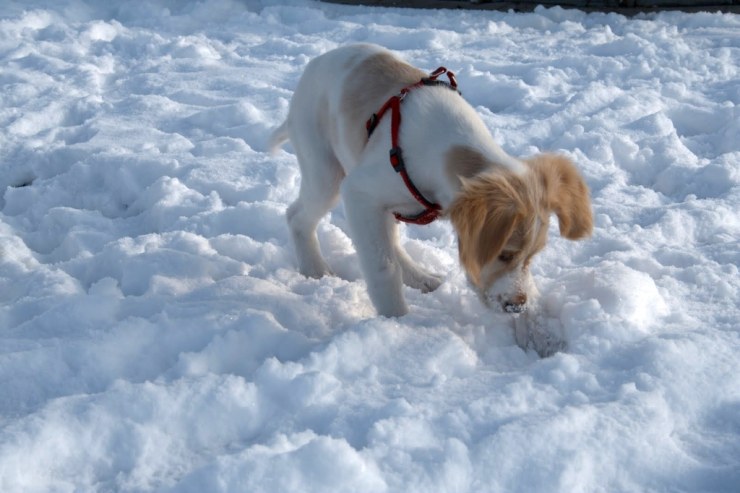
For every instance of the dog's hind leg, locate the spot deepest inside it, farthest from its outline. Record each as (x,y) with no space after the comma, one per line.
(321,175)
(415,276)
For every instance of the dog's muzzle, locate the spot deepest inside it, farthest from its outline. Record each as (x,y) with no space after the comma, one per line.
(514,308)
(515,304)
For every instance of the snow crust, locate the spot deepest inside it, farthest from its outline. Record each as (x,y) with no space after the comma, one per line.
(156,336)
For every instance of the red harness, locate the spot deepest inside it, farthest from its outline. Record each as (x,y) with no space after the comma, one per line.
(431,210)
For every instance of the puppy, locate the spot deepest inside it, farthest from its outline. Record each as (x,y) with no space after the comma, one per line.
(498,205)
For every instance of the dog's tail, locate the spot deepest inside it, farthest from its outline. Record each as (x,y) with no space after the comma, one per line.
(279,137)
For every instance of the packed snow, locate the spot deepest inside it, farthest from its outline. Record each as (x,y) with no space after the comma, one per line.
(155,334)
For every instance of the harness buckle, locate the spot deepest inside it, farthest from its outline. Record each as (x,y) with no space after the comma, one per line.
(371,124)
(396,158)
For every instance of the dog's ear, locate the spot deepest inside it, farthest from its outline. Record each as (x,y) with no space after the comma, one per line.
(566,193)
(484,216)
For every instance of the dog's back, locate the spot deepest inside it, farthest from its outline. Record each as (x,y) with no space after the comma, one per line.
(338,92)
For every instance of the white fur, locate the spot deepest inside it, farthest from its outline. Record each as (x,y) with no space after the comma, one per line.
(334,161)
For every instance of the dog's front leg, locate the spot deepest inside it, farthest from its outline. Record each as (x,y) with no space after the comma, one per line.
(371,227)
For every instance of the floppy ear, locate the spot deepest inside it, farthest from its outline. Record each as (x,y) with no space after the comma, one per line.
(565,193)
(484,216)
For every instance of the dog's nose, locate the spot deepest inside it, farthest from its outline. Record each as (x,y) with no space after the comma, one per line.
(512,308)
(517,304)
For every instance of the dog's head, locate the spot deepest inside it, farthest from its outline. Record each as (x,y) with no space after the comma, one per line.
(501,219)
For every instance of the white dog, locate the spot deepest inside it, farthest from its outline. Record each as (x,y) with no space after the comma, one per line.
(449,166)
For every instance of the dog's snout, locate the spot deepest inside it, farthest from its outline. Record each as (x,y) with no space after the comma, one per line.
(513,308)
(516,304)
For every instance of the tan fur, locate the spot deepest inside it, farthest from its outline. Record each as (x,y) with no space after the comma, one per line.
(485,215)
(500,211)
(368,86)
(566,194)
(465,162)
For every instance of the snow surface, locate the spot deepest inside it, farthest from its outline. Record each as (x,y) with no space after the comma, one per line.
(154,332)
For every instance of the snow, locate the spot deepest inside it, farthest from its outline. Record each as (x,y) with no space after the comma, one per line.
(156,336)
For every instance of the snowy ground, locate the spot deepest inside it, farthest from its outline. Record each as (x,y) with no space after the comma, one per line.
(154,332)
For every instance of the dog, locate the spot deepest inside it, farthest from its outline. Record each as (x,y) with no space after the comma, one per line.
(499,206)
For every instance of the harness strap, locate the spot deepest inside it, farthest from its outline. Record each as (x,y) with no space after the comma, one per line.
(431,210)
(373,121)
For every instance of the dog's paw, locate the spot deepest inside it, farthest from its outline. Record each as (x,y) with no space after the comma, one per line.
(426,282)
(316,271)
(431,283)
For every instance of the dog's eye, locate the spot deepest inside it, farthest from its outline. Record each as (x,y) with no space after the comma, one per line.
(506,257)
